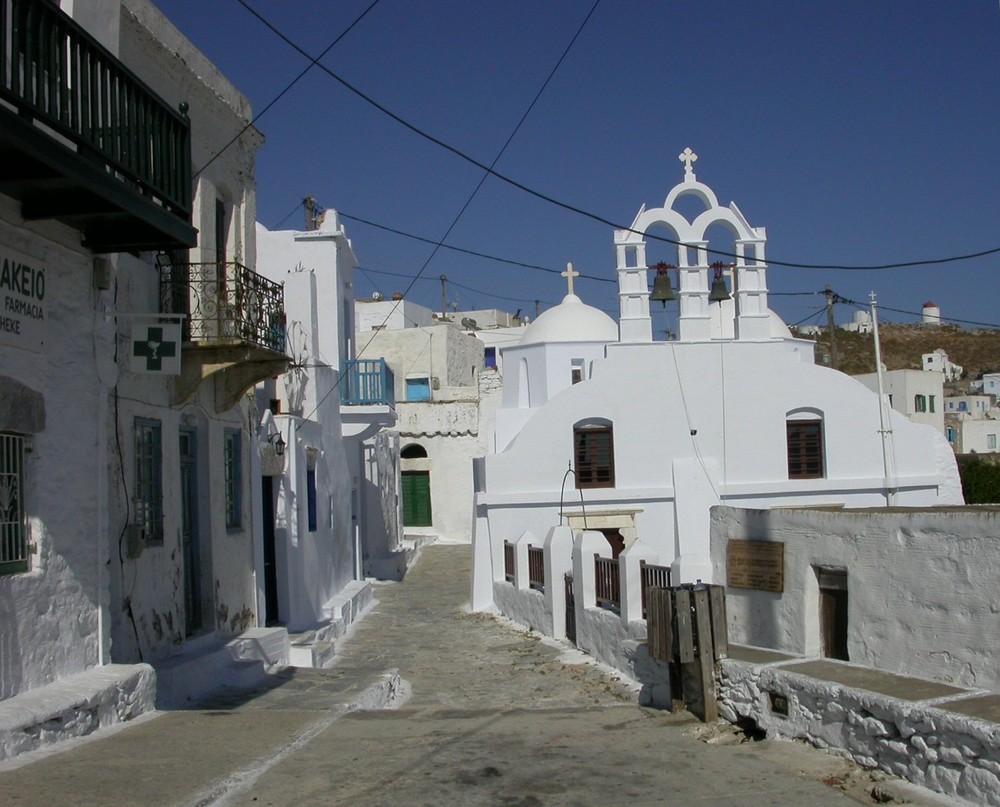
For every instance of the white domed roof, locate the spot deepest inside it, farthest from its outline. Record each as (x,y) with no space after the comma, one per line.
(571,321)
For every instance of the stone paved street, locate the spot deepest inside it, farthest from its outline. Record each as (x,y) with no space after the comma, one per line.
(494,717)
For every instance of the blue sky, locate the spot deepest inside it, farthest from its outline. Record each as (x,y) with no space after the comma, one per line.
(858,132)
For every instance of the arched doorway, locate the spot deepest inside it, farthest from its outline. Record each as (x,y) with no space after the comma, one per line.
(416,481)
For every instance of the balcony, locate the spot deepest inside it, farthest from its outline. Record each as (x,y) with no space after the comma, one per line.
(367,397)
(83,141)
(234,327)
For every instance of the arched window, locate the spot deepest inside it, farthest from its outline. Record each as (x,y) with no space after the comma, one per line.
(804,439)
(594,454)
(413,452)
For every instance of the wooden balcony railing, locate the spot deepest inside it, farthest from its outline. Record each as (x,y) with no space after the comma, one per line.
(508,561)
(367,382)
(54,72)
(607,582)
(652,576)
(536,568)
(225,303)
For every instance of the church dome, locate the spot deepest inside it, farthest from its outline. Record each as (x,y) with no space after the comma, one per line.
(571,321)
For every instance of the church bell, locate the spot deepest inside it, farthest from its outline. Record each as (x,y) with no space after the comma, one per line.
(662,289)
(719,292)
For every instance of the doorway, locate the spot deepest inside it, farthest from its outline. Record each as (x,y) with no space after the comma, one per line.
(416,498)
(833,611)
(271,615)
(615,540)
(190,541)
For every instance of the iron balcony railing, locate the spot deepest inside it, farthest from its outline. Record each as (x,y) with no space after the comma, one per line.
(366,382)
(224,303)
(53,71)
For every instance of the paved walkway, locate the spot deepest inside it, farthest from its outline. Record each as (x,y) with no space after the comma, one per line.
(494,717)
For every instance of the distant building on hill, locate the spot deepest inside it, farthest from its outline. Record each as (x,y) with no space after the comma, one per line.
(938,362)
(914,393)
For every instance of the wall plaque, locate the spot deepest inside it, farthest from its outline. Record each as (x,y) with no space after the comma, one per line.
(758,565)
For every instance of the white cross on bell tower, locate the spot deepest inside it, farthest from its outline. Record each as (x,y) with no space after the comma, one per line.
(688,157)
(569,274)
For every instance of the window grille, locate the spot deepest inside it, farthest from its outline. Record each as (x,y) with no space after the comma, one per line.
(14,550)
(233,480)
(593,448)
(805,449)
(148,497)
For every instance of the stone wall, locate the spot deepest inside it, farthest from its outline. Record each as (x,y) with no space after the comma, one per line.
(921,586)
(937,749)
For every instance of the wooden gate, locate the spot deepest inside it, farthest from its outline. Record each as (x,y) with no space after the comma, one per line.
(687,630)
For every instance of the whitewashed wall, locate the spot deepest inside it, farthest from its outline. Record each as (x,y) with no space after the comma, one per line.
(921,586)
(50,624)
(152,584)
(696,423)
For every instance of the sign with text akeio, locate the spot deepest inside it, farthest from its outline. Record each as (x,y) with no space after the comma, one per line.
(23,314)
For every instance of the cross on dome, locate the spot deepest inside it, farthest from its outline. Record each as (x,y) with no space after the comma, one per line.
(688,157)
(569,274)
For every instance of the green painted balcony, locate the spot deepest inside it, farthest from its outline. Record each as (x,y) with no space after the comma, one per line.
(84,142)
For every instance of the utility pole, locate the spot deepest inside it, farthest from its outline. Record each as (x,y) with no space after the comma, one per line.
(538,308)
(885,429)
(444,297)
(831,325)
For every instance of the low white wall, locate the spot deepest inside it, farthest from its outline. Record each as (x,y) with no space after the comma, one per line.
(602,634)
(943,751)
(525,606)
(921,586)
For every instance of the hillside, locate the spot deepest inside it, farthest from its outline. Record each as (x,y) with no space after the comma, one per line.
(977,351)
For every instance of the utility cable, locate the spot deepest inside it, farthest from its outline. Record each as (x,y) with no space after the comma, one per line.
(279,96)
(489,169)
(344,215)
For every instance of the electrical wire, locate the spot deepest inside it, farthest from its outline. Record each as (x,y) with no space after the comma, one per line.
(281,94)
(488,171)
(386,228)
(573,208)
(867,307)
(368,270)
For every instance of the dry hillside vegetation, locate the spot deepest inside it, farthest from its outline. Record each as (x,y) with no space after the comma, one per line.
(977,351)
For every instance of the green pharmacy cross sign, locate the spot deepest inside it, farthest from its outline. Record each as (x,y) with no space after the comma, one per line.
(154,349)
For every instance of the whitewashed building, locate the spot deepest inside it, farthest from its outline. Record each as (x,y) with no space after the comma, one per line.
(603,429)
(436,370)
(127,479)
(937,361)
(916,394)
(314,491)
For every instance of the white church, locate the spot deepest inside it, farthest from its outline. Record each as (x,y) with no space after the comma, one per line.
(603,429)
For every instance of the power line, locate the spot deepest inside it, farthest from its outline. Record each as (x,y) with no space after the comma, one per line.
(509,261)
(866,307)
(369,270)
(489,169)
(281,94)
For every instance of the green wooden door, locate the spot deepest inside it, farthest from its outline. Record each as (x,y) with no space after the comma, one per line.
(416,498)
